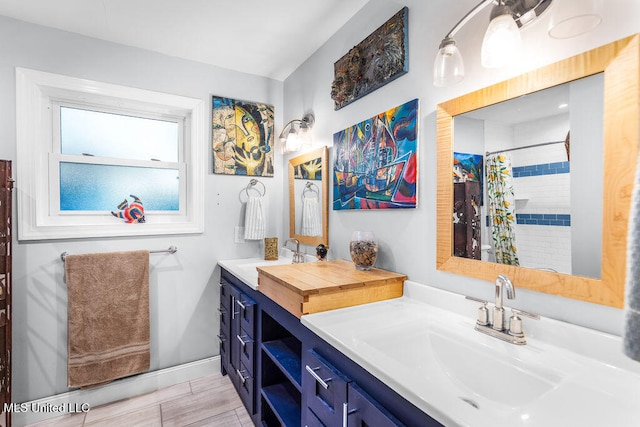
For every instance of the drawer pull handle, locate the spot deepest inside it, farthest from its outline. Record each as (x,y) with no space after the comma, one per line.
(242,340)
(242,306)
(233,303)
(241,375)
(320,381)
(345,411)
(221,311)
(220,339)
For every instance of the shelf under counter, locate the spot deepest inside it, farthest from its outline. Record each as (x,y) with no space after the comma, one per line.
(281,398)
(285,353)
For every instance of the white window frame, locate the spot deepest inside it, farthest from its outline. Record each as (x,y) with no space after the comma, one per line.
(38,95)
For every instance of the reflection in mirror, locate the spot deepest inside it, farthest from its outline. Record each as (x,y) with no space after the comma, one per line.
(308,197)
(597,276)
(528,180)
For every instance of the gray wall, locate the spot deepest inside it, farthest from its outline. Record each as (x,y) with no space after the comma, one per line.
(407,237)
(183,288)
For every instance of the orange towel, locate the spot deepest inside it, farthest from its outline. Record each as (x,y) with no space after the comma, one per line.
(108,316)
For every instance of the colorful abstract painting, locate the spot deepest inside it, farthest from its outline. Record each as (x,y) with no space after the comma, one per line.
(309,170)
(469,167)
(242,137)
(377,60)
(376,163)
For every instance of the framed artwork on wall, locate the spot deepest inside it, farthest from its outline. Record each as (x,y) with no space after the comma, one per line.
(311,170)
(375,165)
(377,60)
(242,137)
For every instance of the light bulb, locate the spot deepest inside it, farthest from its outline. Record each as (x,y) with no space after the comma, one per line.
(501,42)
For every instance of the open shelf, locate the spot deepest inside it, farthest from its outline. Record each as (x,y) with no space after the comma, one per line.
(285,353)
(284,400)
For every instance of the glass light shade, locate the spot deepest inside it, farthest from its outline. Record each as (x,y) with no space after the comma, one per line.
(571,18)
(501,42)
(293,142)
(448,68)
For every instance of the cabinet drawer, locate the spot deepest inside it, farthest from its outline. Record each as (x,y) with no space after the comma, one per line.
(247,350)
(363,410)
(312,420)
(324,389)
(246,388)
(225,296)
(224,351)
(225,318)
(246,309)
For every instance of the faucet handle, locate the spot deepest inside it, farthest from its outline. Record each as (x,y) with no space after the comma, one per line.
(525,314)
(515,323)
(483,312)
(481,301)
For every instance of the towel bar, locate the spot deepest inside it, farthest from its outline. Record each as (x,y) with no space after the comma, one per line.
(171,249)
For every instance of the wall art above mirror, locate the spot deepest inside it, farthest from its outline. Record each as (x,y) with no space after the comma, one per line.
(592,147)
(309,197)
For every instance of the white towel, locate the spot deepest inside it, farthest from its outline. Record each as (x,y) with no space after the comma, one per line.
(632,321)
(254,221)
(311,223)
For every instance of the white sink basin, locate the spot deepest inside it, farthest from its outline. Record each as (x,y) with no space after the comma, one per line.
(480,371)
(474,368)
(424,347)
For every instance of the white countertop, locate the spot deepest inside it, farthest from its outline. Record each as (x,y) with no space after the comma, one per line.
(245,268)
(424,347)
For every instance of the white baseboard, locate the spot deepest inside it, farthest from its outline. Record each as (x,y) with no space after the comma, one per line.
(77,400)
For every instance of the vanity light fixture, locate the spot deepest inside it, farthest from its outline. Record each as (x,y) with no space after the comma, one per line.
(571,18)
(501,40)
(295,134)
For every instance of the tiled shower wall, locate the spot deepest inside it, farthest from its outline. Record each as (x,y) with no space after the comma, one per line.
(542,189)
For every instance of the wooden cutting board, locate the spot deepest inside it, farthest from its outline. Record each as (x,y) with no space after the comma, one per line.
(319,286)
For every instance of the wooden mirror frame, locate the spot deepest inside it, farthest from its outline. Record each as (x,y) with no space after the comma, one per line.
(619,61)
(323,153)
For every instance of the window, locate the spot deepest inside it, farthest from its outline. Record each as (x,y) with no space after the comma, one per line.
(85,148)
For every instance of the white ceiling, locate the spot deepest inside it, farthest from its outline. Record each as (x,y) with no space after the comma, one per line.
(269,38)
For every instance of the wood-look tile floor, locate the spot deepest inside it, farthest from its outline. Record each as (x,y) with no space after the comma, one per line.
(207,401)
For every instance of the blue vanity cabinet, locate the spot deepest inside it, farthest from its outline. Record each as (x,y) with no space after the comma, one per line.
(237,343)
(267,356)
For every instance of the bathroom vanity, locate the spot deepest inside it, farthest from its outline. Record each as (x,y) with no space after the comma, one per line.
(288,375)
(415,360)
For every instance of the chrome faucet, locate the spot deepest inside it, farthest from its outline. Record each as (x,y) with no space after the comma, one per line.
(497,327)
(298,257)
(502,283)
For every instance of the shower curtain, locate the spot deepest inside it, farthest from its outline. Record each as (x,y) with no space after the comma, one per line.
(501,208)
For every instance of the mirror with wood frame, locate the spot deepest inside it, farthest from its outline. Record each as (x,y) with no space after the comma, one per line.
(309,197)
(539,204)
(619,64)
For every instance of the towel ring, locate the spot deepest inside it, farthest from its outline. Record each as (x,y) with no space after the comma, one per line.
(252,184)
(310,187)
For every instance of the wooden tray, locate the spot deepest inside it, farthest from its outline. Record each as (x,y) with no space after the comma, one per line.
(319,286)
